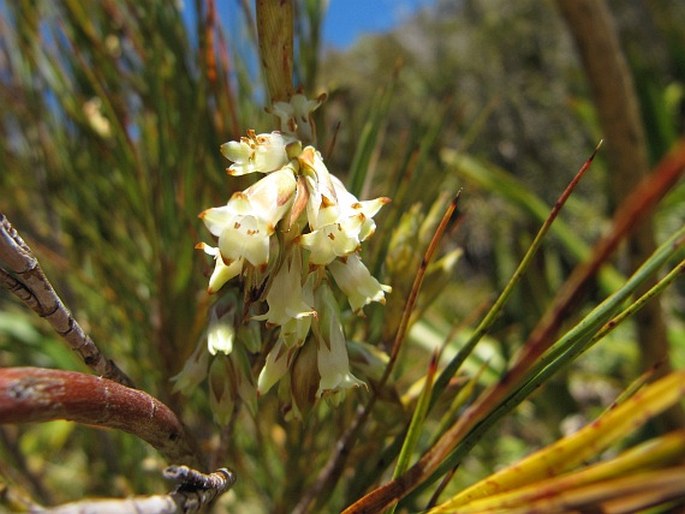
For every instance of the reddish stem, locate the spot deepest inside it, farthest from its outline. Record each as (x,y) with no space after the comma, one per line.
(37,394)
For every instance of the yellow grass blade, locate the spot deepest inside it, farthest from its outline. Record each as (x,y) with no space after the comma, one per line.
(583,445)
(665,450)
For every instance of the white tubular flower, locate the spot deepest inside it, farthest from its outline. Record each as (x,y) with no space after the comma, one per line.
(334,365)
(262,153)
(295,331)
(296,115)
(338,221)
(246,223)
(333,240)
(355,280)
(332,359)
(286,295)
(194,370)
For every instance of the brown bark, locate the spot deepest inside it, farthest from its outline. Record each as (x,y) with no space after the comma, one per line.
(613,91)
(21,274)
(36,394)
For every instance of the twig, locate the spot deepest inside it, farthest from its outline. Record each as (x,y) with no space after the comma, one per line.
(22,275)
(157,504)
(195,490)
(36,394)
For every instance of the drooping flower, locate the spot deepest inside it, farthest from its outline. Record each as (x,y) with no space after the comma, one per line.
(221,329)
(245,224)
(355,280)
(332,359)
(277,363)
(194,370)
(303,384)
(286,294)
(339,222)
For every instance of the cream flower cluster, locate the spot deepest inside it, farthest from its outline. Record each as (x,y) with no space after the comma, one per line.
(291,236)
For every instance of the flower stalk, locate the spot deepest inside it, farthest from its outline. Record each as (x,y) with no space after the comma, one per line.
(275,34)
(283,247)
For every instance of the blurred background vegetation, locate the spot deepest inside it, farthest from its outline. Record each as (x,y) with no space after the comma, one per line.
(112,115)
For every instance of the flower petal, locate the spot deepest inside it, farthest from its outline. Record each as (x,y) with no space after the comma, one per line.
(333,240)
(355,280)
(332,360)
(216,218)
(247,238)
(286,296)
(262,153)
(222,272)
(277,363)
(270,197)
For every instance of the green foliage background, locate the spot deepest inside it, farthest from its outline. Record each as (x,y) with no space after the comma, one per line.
(112,212)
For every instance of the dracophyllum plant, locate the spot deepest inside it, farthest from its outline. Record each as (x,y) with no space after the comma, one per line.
(283,246)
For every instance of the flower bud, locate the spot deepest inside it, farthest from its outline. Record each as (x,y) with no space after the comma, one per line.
(304,379)
(295,116)
(222,390)
(230,379)
(277,363)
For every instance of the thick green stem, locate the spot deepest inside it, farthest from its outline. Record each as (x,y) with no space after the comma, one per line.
(275,33)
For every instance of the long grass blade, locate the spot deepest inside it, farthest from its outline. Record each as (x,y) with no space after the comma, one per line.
(591,440)
(496,308)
